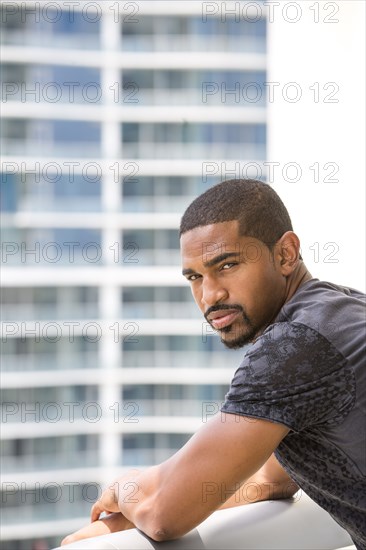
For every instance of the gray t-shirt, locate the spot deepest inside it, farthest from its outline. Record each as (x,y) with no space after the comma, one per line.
(307,371)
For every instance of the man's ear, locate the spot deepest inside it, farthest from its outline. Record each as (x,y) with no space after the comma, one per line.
(289,252)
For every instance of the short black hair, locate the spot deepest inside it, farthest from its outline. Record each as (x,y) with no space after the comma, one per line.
(257,207)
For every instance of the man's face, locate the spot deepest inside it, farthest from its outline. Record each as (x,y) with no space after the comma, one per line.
(236,281)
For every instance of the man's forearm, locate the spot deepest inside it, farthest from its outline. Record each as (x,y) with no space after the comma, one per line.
(271,482)
(168,500)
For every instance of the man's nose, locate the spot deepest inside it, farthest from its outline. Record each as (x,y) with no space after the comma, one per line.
(212,293)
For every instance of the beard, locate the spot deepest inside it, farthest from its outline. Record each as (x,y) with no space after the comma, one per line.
(240,333)
(240,338)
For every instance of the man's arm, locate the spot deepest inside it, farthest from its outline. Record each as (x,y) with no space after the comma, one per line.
(168,500)
(271,482)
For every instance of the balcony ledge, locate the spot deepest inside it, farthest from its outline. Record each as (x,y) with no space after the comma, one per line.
(281,524)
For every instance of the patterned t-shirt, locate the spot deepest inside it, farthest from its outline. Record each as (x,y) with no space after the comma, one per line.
(307,371)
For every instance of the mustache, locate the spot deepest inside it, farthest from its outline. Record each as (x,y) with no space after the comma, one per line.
(220,307)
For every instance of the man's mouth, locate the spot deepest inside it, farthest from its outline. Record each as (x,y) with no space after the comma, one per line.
(222,318)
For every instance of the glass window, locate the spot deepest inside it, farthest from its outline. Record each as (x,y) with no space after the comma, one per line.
(138,441)
(140,187)
(22,353)
(51,192)
(143,78)
(137,26)
(45,303)
(56,137)
(158,302)
(14,73)
(143,391)
(76,187)
(77,23)
(45,295)
(53,246)
(142,343)
(179,33)
(51,83)
(48,445)
(64,130)
(138,294)
(38,24)
(13,128)
(173,392)
(173,87)
(151,239)
(204,133)
(130,132)
(8,192)
(149,441)
(173,186)
(59,394)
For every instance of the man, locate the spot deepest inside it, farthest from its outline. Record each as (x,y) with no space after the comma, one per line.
(297,393)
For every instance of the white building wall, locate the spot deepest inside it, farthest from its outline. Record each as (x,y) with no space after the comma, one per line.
(111,375)
(316,50)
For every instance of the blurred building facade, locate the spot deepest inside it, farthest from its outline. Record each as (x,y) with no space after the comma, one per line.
(116,115)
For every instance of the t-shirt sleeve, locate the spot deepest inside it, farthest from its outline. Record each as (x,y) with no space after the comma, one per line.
(294,376)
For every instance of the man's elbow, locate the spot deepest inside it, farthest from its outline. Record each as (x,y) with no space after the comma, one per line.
(151,518)
(159,532)
(161,535)
(282,490)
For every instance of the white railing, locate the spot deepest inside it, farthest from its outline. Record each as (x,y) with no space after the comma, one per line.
(296,524)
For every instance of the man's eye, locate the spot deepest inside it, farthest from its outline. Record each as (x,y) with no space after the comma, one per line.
(193,277)
(228,265)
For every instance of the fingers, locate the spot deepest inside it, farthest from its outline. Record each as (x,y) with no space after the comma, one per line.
(110,524)
(106,503)
(96,510)
(92,530)
(117,522)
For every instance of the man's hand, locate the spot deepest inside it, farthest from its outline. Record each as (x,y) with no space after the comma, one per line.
(108,501)
(115,521)
(109,524)
(168,500)
(174,497)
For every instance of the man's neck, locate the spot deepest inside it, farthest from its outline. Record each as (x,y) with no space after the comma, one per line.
(298,277)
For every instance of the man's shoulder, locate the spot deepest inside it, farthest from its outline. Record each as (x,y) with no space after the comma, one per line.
(319,293)
(294,350)
(325,307)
